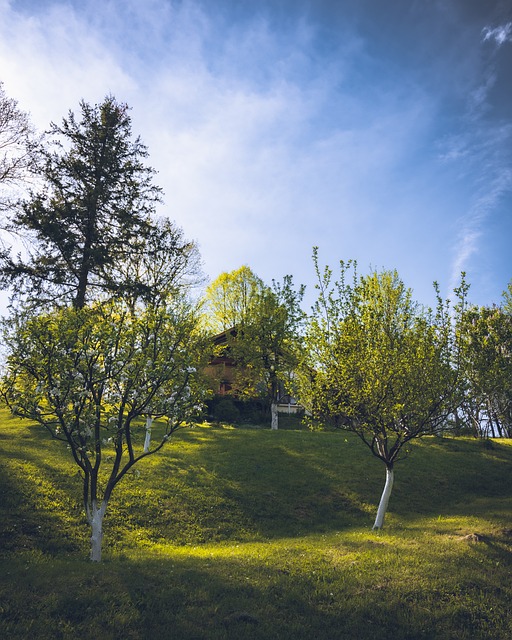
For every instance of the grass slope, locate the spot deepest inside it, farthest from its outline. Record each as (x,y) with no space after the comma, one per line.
(243,533)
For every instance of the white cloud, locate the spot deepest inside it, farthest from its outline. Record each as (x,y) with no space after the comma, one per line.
(500,34)
(227,147)
(472,225)
(50,61)
(261,151)
(265,145)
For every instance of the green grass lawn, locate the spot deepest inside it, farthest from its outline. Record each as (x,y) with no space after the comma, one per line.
(247,533)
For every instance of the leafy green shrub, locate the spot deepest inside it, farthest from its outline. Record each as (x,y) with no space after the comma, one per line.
(223,409)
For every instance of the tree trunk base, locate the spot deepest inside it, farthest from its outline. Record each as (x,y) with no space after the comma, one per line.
(383,504)
(274,416)
(95,518)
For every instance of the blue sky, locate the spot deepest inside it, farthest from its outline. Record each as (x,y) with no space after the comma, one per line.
(380,131)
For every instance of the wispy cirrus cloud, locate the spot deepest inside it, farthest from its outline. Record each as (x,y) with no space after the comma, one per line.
(482,153)
(483,156)
(500,34)
(472,226)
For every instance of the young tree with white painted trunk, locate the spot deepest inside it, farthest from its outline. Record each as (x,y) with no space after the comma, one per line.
(270,341)
(90,375)
(378,364)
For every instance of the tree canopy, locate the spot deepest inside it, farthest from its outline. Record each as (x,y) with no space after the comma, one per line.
(168,266)
(89,375)
(377,364)
(507,299)
(262,325)
(91,213)
(486,353)
(228,299)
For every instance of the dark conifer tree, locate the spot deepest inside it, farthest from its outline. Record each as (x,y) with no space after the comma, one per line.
(91,213)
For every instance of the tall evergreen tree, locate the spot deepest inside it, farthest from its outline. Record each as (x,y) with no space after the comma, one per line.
(91,213)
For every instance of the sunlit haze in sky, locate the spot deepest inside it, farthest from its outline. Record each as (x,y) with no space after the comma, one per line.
(379,131)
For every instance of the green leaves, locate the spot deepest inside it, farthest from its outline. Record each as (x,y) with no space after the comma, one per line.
(376,362)
(485,337)
(262,325)
(88,375)
(120,343)
(229,299)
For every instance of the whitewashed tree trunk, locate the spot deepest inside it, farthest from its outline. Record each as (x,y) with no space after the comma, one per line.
(95,518)
(274,416)
(384,500)
(147,440)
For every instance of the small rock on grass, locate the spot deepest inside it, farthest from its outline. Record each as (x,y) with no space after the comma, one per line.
(473,537)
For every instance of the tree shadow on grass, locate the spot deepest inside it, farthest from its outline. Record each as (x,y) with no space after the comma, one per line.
(191,598)
(445,476)
(251,485)
(247,485)
(38,510)
(287,484)
(26,524)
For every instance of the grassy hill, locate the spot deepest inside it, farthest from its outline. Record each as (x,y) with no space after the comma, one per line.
(247,533)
